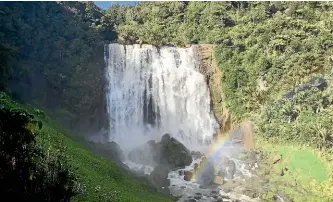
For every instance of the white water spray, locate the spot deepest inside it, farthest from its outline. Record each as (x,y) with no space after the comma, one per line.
(155,91)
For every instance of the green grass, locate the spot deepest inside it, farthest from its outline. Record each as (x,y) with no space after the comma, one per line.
(308,176)
(100,179)
(304,163)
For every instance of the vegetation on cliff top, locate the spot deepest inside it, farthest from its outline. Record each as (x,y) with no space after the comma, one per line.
(264,50)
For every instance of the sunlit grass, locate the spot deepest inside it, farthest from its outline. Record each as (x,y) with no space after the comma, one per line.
(307,172)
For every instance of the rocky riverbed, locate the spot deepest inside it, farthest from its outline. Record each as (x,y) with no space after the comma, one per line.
(229,172)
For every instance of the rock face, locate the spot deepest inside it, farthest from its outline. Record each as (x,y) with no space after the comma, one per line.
(168,152)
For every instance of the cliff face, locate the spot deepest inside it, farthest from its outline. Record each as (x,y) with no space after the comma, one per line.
(213,75)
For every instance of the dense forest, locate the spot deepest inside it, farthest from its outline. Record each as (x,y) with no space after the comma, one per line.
(275,59)
(53,59)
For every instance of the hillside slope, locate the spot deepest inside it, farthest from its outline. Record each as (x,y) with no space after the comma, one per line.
(100,179)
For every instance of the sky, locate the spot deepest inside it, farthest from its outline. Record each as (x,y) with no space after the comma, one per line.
(107,4)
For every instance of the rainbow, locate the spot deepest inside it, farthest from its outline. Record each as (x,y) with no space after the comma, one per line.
(211,155)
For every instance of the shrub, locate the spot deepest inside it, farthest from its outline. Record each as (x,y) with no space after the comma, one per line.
(29,172)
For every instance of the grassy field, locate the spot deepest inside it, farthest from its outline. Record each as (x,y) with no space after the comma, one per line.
(100,179)
(302,172)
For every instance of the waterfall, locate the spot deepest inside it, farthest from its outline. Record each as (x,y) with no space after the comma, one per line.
(155,91)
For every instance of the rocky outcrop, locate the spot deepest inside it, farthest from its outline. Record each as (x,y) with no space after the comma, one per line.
(169,152)
(174,153)
(213,74)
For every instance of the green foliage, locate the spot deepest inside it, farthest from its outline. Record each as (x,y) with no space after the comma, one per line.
(57,57)
(28,171)
(95,178)
(5,65)
(305,118)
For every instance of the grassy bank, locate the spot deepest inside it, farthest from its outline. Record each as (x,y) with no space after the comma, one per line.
(99,178)
(301,172)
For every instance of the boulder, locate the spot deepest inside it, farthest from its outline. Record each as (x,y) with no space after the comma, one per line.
(168,152)
(174,153)
(159,178)
(207,177)
(144,154)
(188,175)
(227,168)
(111,151)
(115,150)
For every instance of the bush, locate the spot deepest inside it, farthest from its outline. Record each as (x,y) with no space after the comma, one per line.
(29,172)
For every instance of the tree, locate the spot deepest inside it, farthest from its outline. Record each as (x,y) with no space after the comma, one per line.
(27,171)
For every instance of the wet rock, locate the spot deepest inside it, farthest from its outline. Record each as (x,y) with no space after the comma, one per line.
(191,200)
(207,177)
(144,154)
(159,178)
(174,153)
(230,170)
(196,166)
(218,180)
(181,172)
(225,197)
(196,154)
(197,197)
(227,168)
(214,192)
(188,175)
(168,152)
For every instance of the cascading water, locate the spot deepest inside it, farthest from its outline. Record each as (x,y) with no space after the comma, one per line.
(155,91)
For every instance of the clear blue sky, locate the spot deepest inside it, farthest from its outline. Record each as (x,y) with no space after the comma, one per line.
(107,4)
